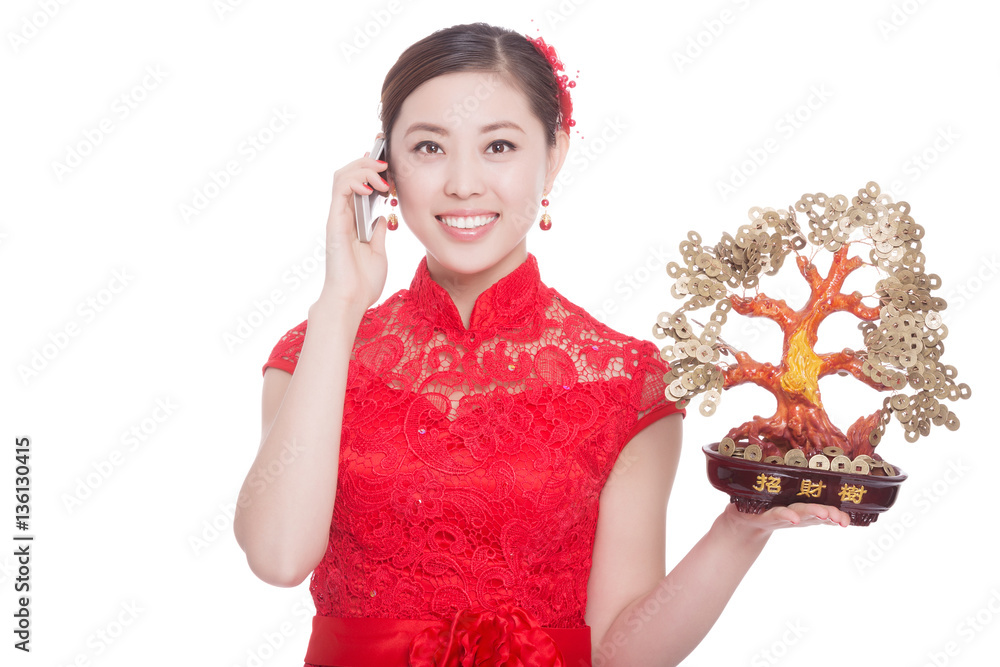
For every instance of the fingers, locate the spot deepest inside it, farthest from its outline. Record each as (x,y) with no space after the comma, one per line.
(359,187)
(369,172)
(816,514)
(377,242)
(376,179)
(807,514)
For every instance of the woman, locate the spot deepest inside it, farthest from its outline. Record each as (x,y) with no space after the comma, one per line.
(437,462)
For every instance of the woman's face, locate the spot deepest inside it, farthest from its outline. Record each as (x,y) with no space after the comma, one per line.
(470,164)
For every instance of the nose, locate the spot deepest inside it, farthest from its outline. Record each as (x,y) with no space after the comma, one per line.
(465,176)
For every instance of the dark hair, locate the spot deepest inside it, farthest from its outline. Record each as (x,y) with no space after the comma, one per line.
(474,47)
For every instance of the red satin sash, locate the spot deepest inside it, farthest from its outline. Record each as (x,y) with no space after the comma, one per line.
(385,642)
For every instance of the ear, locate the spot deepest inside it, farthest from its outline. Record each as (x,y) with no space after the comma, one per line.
(557,156)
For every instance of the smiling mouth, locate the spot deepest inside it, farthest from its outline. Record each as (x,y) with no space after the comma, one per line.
(467,222)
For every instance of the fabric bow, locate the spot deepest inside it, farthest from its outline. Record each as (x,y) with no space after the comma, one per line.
(508,637)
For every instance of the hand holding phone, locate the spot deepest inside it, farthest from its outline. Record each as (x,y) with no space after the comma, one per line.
(364,205)
(355,272)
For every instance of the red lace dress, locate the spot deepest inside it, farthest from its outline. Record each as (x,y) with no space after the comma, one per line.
(471,465)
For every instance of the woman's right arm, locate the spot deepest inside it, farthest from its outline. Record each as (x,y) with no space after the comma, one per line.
(285,506)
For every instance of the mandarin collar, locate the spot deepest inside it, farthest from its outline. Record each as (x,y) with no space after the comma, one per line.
(509,303)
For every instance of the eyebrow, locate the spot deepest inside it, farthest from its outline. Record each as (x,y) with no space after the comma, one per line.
(437,129)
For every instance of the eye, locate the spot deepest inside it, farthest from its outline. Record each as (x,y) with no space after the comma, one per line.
(503,146)
(427,144)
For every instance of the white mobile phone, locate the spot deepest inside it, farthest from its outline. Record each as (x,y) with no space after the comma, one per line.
(364,205)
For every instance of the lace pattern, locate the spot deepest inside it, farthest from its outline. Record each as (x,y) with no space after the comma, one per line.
(472,460)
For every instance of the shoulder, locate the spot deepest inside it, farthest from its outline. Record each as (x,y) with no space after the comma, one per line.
(285,353)
(587,335)
(632,365)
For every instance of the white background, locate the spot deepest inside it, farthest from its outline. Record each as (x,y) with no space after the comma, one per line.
(871,86)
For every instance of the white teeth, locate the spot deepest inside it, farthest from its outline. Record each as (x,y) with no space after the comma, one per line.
(469,222)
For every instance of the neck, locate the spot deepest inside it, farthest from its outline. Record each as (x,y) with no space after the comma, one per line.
(465,288)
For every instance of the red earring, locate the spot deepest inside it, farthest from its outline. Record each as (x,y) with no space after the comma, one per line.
(393,222)
(546,222)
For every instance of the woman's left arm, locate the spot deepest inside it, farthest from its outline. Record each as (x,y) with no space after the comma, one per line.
(639,616)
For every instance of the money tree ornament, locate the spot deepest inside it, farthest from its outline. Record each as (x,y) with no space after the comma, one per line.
(798,454)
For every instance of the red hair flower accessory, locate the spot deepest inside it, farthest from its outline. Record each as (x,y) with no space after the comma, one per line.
(565,101)
(509,637)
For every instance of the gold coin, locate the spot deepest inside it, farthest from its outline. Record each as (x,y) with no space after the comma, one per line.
(860,467)
(832,451)
(840,463)
(795,457)
(738,452)
(727,446)
(952,424)
(819,462)
(774,460)
(753,453)
(899,401)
